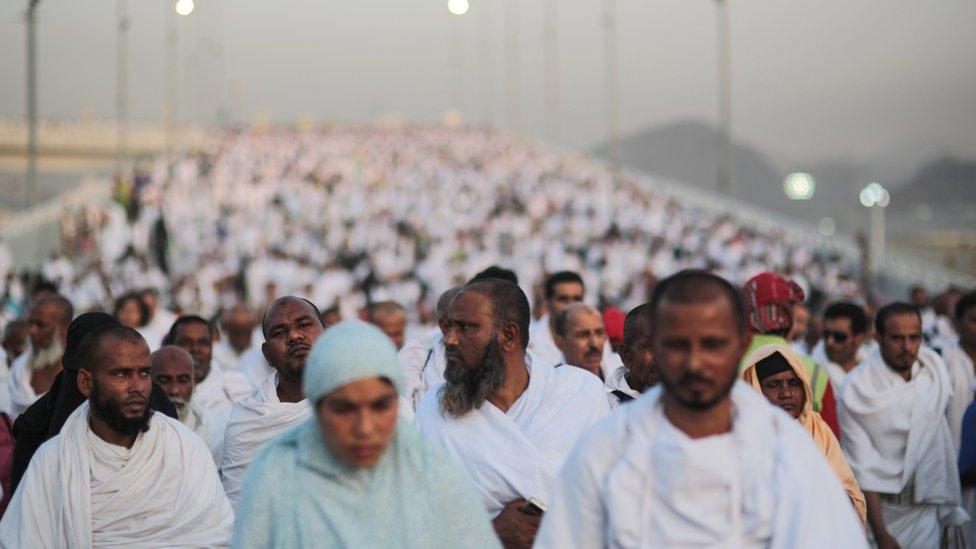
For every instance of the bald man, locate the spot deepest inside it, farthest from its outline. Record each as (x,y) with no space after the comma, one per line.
(33,372)
(390,317)
(172,369)
(237,327)
(580,336)
(291,326)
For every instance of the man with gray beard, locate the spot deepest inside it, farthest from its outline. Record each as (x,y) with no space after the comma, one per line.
(510,421)
(33,372)
(172,369)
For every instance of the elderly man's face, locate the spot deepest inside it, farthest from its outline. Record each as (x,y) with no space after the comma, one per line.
(45,325)
(174,373)
(358,421)
(583,343)
(697,349)
(468,331)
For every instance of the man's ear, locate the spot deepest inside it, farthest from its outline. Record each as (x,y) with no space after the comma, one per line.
(508,337)
(264,351)
(85,380)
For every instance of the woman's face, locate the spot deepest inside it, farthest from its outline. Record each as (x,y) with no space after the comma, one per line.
(358,420)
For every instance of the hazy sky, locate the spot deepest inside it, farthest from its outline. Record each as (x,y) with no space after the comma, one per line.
(811,79)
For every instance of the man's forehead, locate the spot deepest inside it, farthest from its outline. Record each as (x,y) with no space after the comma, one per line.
(838,322)
(119,352)
(172,365)
(704,314)
(467,304)
(288,311)
(193,327)
(584,318)
(904,322)
(569,287)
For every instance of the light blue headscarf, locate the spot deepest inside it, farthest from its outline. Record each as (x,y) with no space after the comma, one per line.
(347,352)
(298,494)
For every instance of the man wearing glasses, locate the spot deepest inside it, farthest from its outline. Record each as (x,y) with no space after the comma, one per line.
(840,350)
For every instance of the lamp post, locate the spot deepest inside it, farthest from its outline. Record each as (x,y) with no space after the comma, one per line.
(171,105)
(552,71)
(612,83)
(30,181)
(876,198)
(723,176)
(121,84)
(457,8)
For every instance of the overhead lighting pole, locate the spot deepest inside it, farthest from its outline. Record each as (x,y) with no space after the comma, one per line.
(30,180)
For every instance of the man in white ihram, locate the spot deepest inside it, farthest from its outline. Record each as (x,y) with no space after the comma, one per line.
(895,433)
(118,474)
(172,369)
(510,422)
(291,326)
(701,459)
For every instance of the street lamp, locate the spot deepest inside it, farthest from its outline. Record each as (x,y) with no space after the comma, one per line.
(799,186)
(184,7)
(457,7)
(876,198)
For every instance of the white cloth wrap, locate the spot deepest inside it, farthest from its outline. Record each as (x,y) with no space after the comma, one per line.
(895,434)
(20,393)
(634,480)
(518,453)
(253,422)
(617,381)
(220,390)
(166,495)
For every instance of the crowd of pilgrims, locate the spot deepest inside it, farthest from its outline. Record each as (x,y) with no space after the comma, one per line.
(281,341)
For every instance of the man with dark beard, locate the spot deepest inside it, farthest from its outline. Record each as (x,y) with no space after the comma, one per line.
(704,460)
(510,421)
(118,474)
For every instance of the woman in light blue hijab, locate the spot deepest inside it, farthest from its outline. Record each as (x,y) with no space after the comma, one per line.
(352,475)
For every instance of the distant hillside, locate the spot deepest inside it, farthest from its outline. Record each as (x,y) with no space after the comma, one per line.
(942,194)
(687,151)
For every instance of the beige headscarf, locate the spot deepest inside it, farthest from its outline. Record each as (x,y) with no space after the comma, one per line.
(823,437)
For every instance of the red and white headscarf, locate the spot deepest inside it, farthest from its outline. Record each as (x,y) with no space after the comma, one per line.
(768,299)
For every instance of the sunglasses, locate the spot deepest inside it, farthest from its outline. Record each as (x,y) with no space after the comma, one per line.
(839,337)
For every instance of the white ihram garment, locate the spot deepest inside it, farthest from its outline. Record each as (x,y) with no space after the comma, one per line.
(897,440)
(209,426)
(634,480)
(220,390)
(518,453)
(253,422)
(80,491)
(20,393)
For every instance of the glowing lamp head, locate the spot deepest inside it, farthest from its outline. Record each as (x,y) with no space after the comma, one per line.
(457,7)
(184,7)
